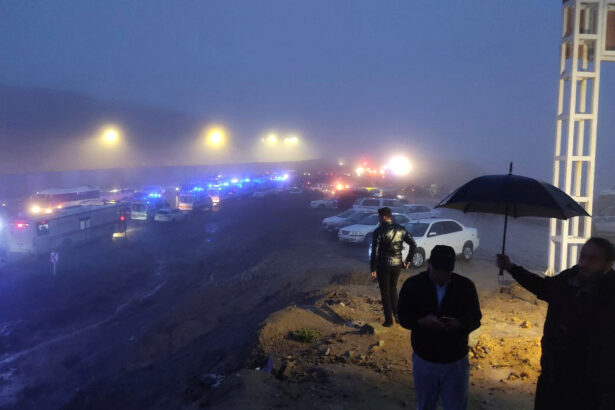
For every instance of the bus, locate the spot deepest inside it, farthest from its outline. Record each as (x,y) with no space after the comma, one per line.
(70,226)
(45,202)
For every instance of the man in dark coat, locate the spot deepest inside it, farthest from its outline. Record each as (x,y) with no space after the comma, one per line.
(578,343)
(386,260)
(440,308)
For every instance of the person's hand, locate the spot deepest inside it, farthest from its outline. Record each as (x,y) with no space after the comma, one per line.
(451,323)
(374,275)
(503,262)
(431,321)
(406,265)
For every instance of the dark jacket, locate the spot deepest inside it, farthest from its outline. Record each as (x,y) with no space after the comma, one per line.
(418,298)
(387,245)
(578,343)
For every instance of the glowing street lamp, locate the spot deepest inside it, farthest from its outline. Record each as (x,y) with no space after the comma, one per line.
(271,139)
(215,137)
(110,136)
(291,140)
(399,166)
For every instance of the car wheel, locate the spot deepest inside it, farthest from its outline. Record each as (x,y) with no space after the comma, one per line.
(418,259)
(468,251)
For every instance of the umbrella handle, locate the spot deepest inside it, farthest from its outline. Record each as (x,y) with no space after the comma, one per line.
(504,238)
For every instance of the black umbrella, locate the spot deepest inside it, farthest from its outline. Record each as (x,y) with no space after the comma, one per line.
(512,195)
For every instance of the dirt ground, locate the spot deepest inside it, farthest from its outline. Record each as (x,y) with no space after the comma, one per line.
(356,363)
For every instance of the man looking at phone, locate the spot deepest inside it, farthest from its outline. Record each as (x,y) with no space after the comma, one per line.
(440,308)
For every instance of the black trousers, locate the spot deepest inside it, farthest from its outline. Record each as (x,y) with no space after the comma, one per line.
(387,281)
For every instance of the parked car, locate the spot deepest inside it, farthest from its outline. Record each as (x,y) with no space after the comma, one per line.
(362,231)
(417,211)
(373,204)
(428,233)
(603,222)
(262,194)
(323,204)
(348,217)
(295,191)
(169,215)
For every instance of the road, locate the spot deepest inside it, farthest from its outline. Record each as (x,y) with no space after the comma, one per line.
(87,337)
(135,323)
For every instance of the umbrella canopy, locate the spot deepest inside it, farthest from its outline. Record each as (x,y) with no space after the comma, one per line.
(512,195)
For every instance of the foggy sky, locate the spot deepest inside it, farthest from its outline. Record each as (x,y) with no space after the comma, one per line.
(474,79)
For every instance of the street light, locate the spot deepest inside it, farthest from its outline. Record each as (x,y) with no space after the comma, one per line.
(110,136)
(271,139)
(215,137)
(291,140)
(399,166)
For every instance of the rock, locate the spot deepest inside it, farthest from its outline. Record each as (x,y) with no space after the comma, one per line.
(285,370)
(325,352)
(371,329)
(211,380)
(526,325)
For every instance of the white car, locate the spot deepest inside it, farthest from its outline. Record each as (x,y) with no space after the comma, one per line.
(362,231)
(428,233)
(604,222)
(373,204)
(169,215)
(323,204)
(418,211)
(348,217)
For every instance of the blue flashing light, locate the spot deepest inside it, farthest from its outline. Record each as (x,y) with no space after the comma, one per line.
(246,180)
(225,184)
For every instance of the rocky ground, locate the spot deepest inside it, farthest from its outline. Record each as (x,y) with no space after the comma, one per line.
(332,353)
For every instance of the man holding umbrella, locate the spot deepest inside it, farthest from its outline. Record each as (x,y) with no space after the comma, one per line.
(578,343)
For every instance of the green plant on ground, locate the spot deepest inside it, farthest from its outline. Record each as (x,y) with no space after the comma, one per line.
(304,335)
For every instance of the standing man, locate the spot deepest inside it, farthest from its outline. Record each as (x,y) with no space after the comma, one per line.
(386,260)
(440,308)
(578,342)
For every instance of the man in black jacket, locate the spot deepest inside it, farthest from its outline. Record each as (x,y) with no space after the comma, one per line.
(578,342)
(386,260)
(440,308)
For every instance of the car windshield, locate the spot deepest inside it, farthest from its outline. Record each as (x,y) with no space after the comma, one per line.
(417,229)
(138,207)
(370,220)
(358,216)
(346,214)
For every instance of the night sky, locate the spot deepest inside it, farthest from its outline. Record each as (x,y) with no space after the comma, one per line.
(476,80)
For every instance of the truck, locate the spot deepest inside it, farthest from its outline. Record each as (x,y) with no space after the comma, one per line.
(64,228)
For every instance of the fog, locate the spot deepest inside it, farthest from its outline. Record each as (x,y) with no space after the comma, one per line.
(351,78)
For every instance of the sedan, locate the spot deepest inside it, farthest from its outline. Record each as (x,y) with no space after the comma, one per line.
(323,204)
(348,217)
(169,215)
(362,231)
(428,233)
